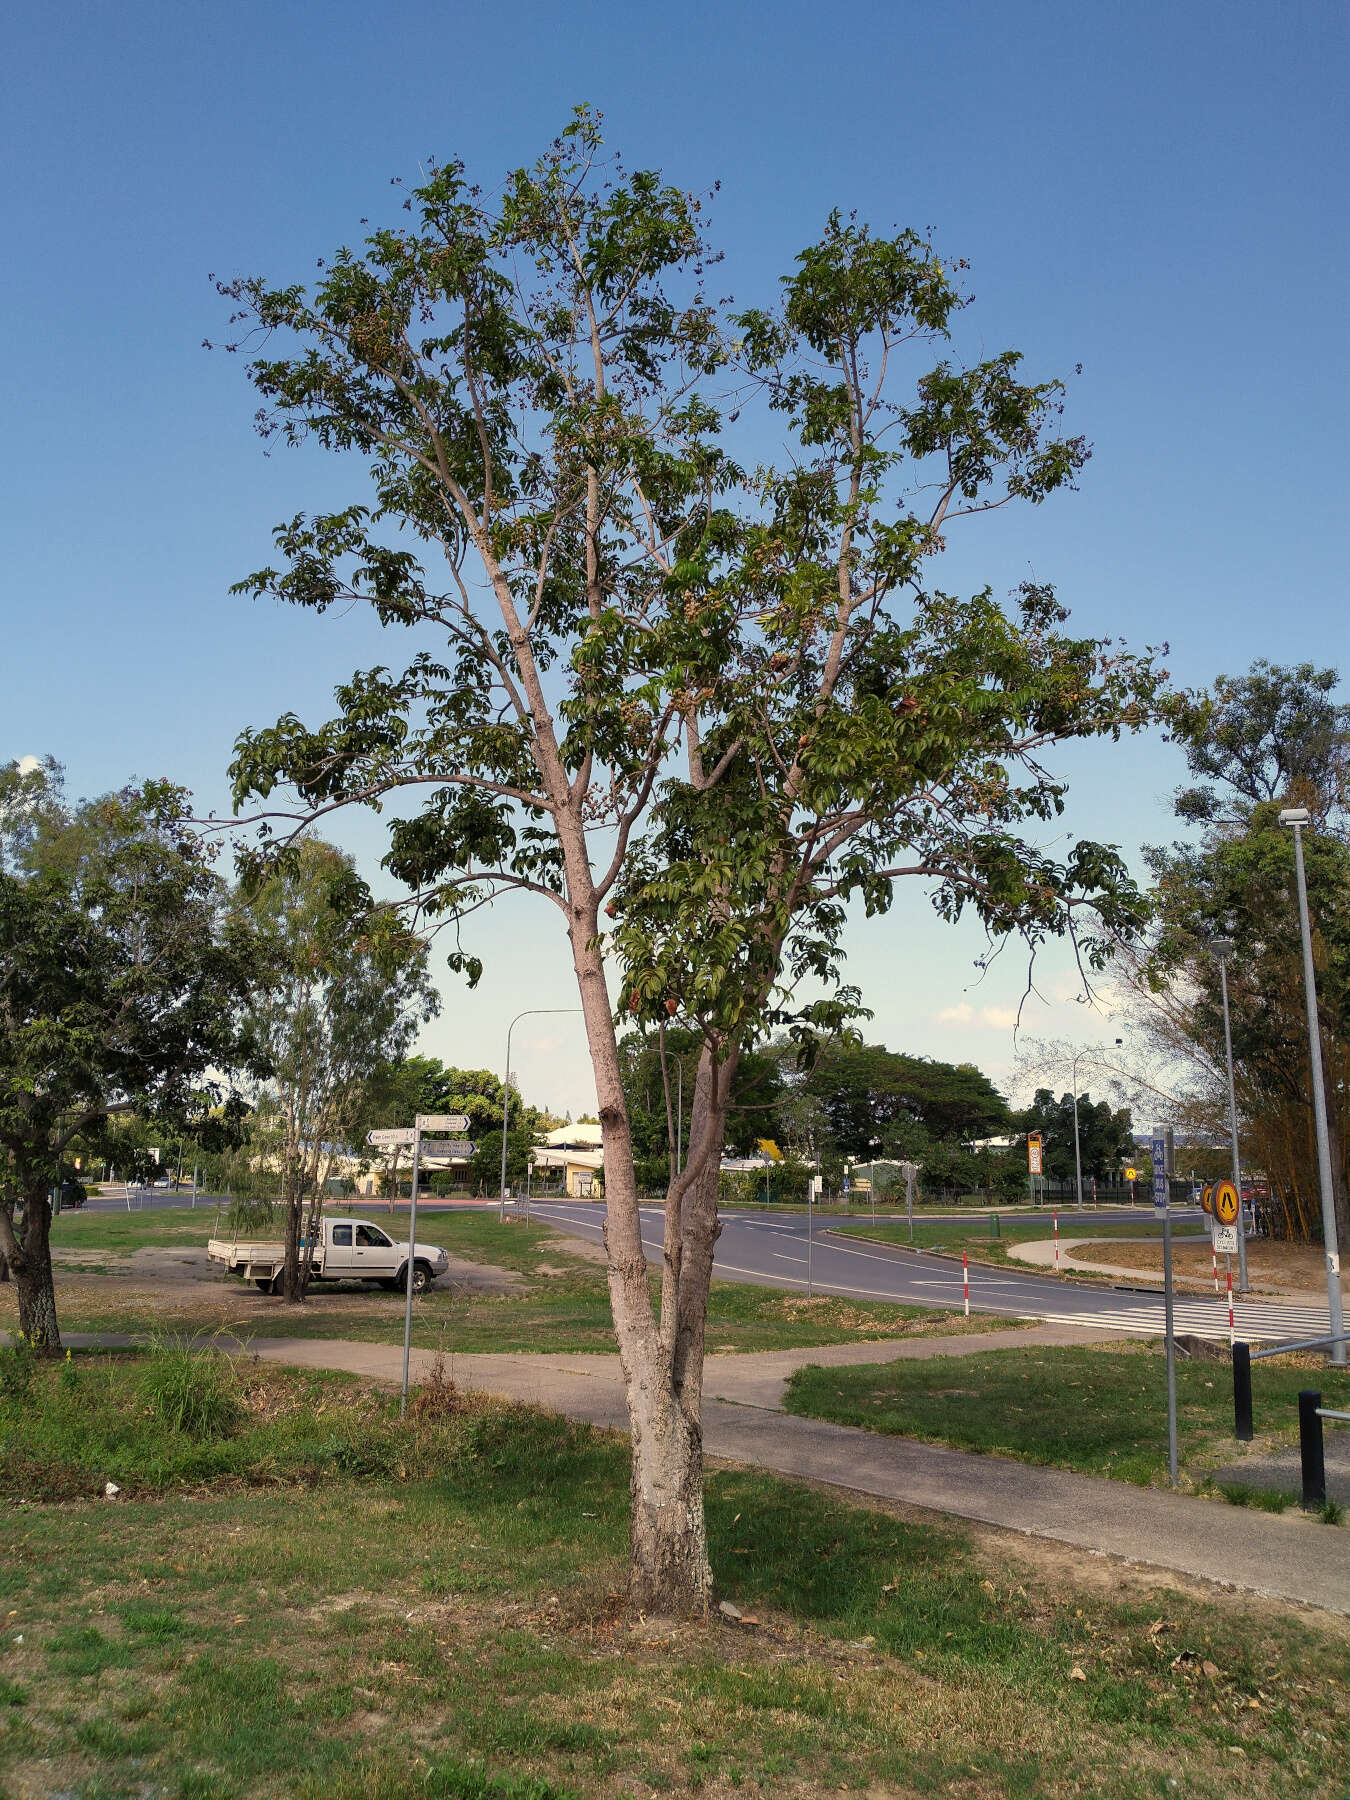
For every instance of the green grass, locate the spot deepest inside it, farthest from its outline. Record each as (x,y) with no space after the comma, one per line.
(452,1626)
(1101,1411)
(560,1300)
(974,1237)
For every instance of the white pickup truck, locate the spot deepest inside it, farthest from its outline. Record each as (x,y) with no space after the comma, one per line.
(349,1250)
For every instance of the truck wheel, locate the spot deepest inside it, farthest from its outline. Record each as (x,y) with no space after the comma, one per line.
(263,1283)
(277,1285)
(421,1277)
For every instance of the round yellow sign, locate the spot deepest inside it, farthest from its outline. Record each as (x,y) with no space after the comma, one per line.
(1207,1198)
(1226,1203)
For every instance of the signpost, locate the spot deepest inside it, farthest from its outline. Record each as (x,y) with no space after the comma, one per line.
(1035,1160)
(1161,1198)
(1225,1205)
(398,1137)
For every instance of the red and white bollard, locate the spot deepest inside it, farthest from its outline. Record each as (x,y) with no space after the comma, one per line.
(1057,1243)
(965,1279)
(1232,1331)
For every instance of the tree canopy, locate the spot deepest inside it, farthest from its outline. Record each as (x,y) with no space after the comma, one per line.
(122,977)
(1275,738)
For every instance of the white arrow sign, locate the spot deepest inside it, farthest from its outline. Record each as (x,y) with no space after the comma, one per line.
(455,1148)
(442,1122)
(402,1134)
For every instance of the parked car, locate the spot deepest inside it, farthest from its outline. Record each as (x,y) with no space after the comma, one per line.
(348,1250)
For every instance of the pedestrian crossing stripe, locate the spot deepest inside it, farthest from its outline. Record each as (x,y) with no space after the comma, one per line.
(1268,1324)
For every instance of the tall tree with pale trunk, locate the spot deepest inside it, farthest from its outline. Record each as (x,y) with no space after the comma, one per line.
(697,707)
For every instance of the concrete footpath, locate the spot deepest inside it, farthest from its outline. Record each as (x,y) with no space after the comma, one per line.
(1286,1557)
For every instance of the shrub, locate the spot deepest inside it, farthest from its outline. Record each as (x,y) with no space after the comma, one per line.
(18,1366)
(191,1389)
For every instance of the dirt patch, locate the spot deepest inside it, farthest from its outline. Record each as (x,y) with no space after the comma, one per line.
(168,1273)
(1272,1268)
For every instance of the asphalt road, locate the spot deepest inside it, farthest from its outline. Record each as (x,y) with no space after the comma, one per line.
(772,1248)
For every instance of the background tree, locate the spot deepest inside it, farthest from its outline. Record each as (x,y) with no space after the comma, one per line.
(875,1097)
(696,708)
(1105,1135)
(1275,738)
(121,979)
(343,990)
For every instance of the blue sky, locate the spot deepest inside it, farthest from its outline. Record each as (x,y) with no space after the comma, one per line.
(1154,192)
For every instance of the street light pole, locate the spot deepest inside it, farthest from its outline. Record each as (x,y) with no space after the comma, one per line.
(1223,949)
(529,1012)
(1297,817)
(1077,1154)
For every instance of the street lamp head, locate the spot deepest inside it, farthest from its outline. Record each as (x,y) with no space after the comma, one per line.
(1222,948)
(1295,815)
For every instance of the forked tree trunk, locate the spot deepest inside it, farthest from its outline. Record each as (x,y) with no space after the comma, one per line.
(670,1573)
(32,1268)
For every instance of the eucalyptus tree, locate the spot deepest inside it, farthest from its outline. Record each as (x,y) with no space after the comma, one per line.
(695,706)
(342,989)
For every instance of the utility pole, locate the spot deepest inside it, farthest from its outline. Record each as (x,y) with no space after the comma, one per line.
(1297,817)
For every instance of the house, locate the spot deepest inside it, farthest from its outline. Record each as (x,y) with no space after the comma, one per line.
(576,1151)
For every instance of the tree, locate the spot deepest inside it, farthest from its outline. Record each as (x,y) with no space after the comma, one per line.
(1275,738)
(343,992)
(121,980)
(695,707)
(1105,1135)
(873,1096)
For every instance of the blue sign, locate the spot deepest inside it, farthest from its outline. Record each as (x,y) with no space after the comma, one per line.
(1160,1194)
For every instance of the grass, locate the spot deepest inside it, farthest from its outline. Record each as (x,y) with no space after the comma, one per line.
(449,1624)
(973,1236)
(558,1300)
(1098,1410)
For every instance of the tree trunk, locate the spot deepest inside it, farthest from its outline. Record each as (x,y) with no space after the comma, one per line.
(32,1267)
(291,1286)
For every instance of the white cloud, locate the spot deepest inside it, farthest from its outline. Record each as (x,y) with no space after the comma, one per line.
(1003,1018)
(960,1014)
(28,764)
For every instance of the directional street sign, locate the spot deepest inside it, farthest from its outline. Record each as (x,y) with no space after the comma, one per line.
(458,1149)
(442,1122)
(402,1134)
(1160,1171)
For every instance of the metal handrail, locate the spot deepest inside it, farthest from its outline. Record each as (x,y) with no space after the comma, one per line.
(1328,1412)
(1303,1344)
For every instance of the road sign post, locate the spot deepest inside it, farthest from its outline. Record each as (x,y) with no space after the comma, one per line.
(1161,1199)
(409,1272)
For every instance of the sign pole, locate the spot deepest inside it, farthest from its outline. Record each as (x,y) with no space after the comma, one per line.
(1162,1198)
(412,1264)
(810,1207)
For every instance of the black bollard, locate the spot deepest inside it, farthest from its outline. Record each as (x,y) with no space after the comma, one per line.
(1242,1392)
(1310,1451)
(993,1225)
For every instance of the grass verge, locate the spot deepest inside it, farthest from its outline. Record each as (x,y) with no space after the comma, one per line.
(1102,1411)
(449,1624)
